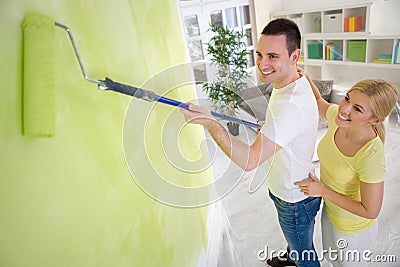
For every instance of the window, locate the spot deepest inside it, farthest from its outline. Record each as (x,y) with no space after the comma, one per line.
(244,14)
(192,26)
(195,50)
(197,16)
(231,19)
(216,17)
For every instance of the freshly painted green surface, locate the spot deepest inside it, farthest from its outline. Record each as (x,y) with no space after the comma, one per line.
(69,200)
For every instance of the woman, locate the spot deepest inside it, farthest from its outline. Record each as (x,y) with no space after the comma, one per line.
(352,169)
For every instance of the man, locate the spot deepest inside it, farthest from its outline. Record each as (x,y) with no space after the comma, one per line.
(286,140)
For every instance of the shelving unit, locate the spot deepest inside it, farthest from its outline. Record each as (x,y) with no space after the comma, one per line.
(347,56)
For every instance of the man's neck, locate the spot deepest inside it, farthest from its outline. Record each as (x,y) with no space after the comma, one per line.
(292,78)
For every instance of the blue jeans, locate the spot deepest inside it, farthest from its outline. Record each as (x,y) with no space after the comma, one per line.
(297,223)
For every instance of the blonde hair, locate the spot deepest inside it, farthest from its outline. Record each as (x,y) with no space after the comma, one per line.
(383,96)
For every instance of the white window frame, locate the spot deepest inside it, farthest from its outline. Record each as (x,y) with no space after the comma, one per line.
(203,9)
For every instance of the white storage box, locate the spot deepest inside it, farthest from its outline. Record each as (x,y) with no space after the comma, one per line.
(332,23)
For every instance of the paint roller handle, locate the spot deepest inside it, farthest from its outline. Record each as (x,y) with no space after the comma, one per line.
(129,90)
(233,119)
(151,96)
(172,102)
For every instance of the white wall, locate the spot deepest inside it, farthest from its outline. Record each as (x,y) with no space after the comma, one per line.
(262,9)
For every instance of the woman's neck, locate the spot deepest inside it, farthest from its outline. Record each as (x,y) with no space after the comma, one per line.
(359,135)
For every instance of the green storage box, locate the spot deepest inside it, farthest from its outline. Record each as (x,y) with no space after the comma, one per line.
(356,50)
(314,51)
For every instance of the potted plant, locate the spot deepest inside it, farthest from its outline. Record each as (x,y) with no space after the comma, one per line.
(228,53)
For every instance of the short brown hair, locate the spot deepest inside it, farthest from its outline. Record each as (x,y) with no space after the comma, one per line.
(285,27)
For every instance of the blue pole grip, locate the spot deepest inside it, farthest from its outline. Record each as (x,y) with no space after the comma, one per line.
(151,96)
(229,118)
(172,102)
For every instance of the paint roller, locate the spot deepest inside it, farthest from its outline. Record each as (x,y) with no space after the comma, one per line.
(38,67)
(106,84)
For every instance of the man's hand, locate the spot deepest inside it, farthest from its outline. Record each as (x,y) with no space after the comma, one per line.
(198,115)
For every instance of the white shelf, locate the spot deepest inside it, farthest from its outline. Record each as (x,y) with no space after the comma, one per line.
(324,26)
(321,62)
(349,35)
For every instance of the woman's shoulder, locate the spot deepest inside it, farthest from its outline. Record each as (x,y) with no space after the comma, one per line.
(373,146)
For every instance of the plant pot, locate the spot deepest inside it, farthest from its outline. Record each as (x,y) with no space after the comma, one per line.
(233,128)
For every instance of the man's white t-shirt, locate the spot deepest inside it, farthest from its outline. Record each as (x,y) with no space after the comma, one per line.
(292,123)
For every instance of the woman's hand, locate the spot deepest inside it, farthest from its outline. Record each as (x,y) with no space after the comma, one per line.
(261,123)
(302,72)
(313,188)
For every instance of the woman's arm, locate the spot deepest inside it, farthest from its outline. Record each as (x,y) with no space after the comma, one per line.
(368,207)
(323,105)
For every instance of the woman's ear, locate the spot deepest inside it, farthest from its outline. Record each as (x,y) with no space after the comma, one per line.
(374,121)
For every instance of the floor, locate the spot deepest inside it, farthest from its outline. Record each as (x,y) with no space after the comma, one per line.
(253,233)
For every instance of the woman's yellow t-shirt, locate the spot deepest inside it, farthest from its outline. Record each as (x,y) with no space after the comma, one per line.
(343,175)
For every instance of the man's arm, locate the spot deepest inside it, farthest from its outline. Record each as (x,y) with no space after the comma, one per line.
(245,156)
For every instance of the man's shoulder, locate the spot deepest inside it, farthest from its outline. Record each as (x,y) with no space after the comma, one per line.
(302,84)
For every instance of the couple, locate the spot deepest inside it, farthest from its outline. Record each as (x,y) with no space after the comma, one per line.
(351,153)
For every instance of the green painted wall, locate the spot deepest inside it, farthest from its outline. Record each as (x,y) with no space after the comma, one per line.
(70,200)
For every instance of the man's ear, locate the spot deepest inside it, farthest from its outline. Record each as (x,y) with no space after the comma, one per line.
(295,55)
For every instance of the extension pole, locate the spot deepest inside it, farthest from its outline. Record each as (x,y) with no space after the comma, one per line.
(151,96)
